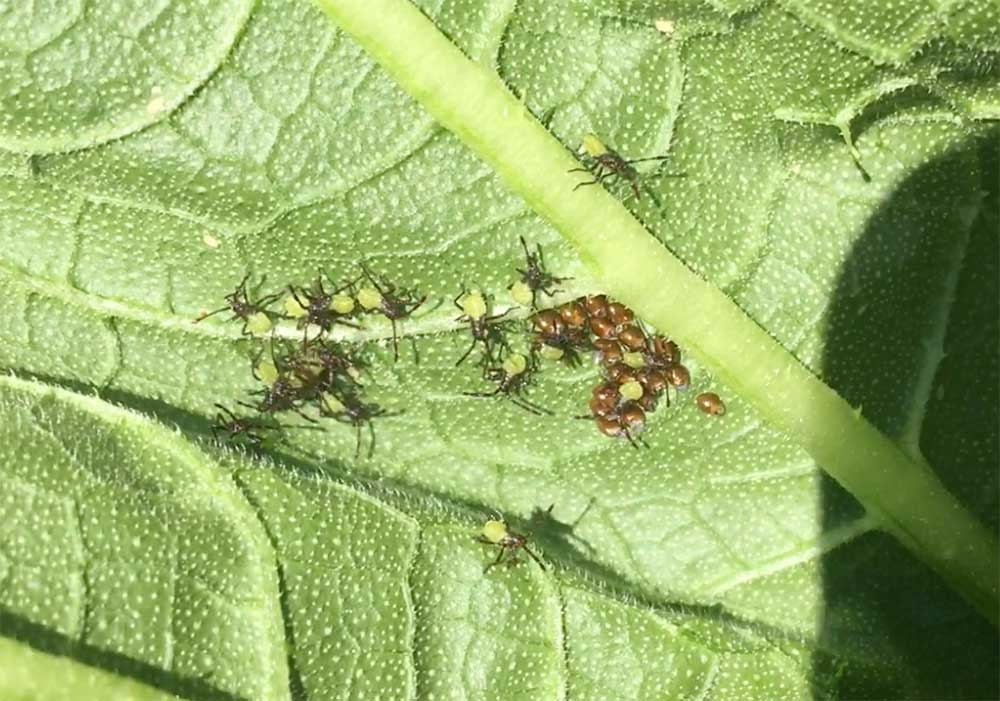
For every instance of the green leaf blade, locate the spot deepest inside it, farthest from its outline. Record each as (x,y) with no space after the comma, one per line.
(344,562)
(78,76)
(111,538)
(30,675)
(724,542)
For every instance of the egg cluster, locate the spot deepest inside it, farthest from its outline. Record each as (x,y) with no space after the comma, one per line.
(638,368)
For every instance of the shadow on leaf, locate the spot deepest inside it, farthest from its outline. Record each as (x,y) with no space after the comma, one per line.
(911,339)
(49,641)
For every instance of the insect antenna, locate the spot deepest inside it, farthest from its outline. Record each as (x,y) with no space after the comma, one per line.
(531,406)
(395,340)
(483,394)
(201,317)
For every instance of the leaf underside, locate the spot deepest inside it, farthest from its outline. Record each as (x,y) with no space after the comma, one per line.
(150,159)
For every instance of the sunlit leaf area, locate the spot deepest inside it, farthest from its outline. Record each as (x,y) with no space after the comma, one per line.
(320,382)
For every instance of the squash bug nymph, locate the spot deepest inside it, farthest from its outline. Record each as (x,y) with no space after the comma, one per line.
(475,308)
(388,300)
(257,320)
(608,163)
(512,379)
(317,307)
(498,534)
(534,277)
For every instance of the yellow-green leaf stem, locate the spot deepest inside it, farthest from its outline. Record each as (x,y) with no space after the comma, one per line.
(471,101)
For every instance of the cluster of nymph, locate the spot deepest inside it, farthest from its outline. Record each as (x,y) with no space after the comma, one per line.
(316,377)
(511,371)
(638,368)
(312,376)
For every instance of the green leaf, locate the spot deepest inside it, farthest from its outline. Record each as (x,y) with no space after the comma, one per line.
(721,563)
(76,76)
(154,556)
(124,544)
(30,674)
(644,275)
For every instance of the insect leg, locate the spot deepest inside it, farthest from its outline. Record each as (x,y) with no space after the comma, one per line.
(467,353)
(264,301)
(458,297)
(524,405)
(416,305)
(599,176)
(225,410)
(357,442)
(295,296)
(371,278)
(496,562)
(371,442)
(529,405)
(651,158)
(631,440)
(303,415)
(537,406)
(255,407)
(533,556)
(482,394)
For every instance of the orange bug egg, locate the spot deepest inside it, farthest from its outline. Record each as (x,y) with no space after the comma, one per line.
(710,403)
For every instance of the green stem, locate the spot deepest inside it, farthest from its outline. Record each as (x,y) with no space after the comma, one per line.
(470,100)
